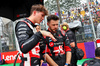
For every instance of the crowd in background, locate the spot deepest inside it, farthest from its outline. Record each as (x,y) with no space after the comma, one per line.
(81,13)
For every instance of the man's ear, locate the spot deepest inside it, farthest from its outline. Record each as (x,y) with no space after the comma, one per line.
(34,12)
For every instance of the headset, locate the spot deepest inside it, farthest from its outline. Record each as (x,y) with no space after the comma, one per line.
(64,27)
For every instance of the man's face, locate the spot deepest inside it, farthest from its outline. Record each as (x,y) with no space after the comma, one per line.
(39,17)
(53,25)
(38,28)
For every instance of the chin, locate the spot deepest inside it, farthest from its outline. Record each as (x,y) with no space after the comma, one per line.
(39,23)
(54,31)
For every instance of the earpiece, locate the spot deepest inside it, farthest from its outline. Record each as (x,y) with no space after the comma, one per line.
(64,27)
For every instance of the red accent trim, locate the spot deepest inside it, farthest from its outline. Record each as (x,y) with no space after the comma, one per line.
(49,29)
(26,23)
(22,55)
(50,54)
(43,51)
(59,35)
(67,48)
(30,58)
(56,54)
(30,20)
(48,50)
(85,64)
(34,55)
(63,32)
(22,46)
(17,15)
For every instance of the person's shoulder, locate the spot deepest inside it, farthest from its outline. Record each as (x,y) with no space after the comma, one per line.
(21,24)
(93,62)
(85,63)
(58,30)
(69,32)
(61,33)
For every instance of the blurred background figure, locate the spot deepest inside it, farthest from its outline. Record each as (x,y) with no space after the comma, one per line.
(38,28)
(95,61)
(65,28)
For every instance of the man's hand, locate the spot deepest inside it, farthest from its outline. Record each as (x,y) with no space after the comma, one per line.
(50,60)
(42,62)
(68,58)
(72,44)
(48,34)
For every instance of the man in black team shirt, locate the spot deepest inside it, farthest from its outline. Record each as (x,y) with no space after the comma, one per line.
(59,52)
(27,38)
(66,31)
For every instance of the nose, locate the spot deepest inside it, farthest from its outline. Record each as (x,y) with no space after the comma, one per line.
(56,26)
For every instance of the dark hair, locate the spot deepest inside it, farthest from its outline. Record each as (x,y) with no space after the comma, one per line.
(39,8)
(97,52)
(52,17)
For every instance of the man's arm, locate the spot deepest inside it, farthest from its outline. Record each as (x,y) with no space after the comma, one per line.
(67,48)
(72,44)
(49,60)
(71,37)
(44,50)
(68,57)
(44,53)
(26,39)
(48,34)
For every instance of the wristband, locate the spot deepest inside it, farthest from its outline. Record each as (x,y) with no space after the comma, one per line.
(66,63)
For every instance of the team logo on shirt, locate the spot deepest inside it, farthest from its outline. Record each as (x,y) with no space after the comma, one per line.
(51,44)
